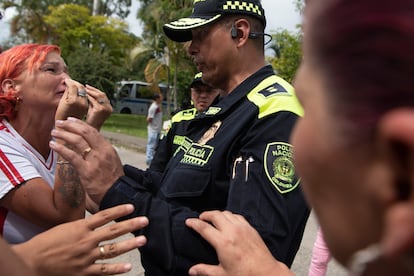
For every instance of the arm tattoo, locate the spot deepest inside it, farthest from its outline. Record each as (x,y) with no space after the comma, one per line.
(71,188)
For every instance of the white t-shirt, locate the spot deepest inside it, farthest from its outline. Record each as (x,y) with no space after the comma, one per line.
(20,162)
(154,112)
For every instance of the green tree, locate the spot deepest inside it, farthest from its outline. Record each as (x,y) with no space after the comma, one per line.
(94,68)
(288,53)
(154,14)
(72,27)
(300,5)
(118,8)
(28,24)
(138,60)
(96,48)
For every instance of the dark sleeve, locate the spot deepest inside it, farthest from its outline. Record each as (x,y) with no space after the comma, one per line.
(163,152)
(265,189)
(279,217)
(149,180)
(171,244)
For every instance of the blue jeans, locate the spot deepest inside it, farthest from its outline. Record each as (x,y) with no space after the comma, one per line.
(152,143)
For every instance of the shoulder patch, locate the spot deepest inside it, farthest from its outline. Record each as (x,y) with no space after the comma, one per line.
(279,168)
(273,95)
(213,110)
(184,115)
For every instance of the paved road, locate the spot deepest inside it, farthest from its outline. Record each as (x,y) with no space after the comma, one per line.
(131,151)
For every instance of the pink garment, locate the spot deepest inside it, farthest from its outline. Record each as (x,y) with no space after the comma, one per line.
(320,256)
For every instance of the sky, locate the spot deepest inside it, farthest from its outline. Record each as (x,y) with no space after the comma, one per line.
(279,14)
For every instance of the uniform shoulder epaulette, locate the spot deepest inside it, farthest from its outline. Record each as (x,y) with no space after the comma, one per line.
(184,115)
(274,94)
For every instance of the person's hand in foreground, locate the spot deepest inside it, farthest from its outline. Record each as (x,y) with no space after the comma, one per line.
(94,158)
(240,249)
(100,107)
(72,104)
(73,248)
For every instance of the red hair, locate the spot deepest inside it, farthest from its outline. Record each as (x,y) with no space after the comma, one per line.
(13,63)
(365,51)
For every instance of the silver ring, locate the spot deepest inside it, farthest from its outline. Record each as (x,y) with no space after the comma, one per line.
(82,92)
(102,101)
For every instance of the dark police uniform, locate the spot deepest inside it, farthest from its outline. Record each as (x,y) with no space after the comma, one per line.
(174,137)
(172,140)
(237,157)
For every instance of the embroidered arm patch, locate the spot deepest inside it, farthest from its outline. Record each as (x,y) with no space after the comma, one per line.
(279,168)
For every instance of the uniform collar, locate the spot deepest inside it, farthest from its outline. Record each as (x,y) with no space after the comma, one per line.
(225,103)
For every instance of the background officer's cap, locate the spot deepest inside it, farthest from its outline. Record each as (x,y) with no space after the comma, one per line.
(197,79)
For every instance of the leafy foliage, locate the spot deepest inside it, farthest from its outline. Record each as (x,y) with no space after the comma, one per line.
(94,68)
(287,48)
(28,23)
(288,53)
(154,14)
(300,5)
(96,48)
(74,28)
(119,8)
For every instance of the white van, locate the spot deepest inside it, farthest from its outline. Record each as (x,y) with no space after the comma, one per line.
(135,97)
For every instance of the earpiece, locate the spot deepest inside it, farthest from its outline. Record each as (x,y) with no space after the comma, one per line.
(252,35)
(233,31)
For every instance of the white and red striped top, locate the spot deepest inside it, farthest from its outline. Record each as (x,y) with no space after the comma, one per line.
(20,162)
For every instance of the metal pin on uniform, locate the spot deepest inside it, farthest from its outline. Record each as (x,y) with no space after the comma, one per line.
(236,161)
(248,161)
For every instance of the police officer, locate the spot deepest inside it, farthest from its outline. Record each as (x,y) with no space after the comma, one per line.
(202,96)
(236,156)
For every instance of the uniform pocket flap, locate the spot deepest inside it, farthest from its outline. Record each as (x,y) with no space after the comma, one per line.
(186,182)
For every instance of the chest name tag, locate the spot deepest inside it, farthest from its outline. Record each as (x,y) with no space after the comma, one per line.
(198,155)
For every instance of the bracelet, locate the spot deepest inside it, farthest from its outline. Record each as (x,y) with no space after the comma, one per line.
(62,162)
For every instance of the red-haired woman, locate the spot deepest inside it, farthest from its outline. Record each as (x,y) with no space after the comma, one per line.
(38,189)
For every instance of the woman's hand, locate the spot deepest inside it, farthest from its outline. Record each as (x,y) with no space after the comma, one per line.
(74,102)
(99,107)
(73,248)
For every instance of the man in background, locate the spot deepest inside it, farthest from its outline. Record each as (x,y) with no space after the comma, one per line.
(154,120)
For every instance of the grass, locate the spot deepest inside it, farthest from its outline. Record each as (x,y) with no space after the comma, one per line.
(134,125)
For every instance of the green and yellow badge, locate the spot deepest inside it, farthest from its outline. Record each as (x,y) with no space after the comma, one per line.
(279,168)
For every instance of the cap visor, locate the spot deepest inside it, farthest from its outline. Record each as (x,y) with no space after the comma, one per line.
(180,30)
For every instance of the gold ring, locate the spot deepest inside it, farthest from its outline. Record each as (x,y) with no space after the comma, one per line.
(102,250)
(86,151)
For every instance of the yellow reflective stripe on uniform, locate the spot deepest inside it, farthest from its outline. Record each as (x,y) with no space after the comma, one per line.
(178,140)
(268,104)
(184,115)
